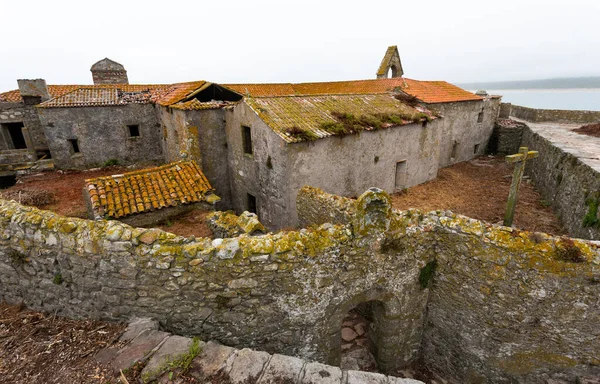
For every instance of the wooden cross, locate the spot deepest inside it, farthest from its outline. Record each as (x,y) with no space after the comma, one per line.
(520,159)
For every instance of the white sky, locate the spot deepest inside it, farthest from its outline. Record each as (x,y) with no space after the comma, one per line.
(294,41)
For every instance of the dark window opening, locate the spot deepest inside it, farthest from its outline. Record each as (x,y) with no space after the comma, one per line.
(15,132)
(43,154)
(134,130)
(480,117)
(247,138)
(8,181)
(454,149)
(74,145)
(400,183)
(251,203)
(476,148)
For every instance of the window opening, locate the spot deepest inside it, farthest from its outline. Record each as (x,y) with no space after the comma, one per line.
(134,130)
(251,203)
(480,117)
(74,145)
(247,138)
(15,132)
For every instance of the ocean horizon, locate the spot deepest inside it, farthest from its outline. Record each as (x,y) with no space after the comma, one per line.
(587,99)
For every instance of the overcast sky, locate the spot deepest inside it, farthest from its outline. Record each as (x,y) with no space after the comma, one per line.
(309,40)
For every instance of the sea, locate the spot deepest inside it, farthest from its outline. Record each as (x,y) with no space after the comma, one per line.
(587,99)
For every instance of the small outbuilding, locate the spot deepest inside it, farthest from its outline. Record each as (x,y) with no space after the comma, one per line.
(148,196)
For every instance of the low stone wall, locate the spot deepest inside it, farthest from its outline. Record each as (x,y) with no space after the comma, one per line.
(474,302)
(571,186)
(225,224)
(558,115)
(316,207)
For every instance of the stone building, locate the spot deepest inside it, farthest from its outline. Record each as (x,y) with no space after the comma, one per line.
(257,143)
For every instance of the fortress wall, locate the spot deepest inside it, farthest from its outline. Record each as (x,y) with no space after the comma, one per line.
(556,115)
(501,305)
(284,293)
(572,186)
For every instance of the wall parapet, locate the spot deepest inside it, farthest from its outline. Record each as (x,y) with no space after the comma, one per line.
(492,287)
(557,115)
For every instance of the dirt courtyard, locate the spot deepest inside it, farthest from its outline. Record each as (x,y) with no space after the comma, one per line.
(476,188)
(479,189)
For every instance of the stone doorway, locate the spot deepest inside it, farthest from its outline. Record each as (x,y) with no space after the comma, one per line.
(15,132)
(359,337)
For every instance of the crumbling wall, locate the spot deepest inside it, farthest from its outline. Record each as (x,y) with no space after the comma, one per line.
(506,137)
(572,186)
(557,115)
(476,302)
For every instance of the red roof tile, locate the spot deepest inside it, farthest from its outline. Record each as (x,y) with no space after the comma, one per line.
(145,190)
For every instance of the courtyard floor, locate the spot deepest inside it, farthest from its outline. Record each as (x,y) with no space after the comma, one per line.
(65,197)
(479,189)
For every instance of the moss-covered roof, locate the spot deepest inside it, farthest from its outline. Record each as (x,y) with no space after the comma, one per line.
(148,189)
(302,118)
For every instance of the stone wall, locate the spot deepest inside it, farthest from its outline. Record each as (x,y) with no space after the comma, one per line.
(102,135)
(475,302)
(32,131)
(556,115)
(570,185)
(506,138)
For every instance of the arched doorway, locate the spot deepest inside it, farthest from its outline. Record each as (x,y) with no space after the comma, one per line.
(359,337)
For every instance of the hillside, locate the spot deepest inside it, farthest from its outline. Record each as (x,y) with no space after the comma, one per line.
(555,83)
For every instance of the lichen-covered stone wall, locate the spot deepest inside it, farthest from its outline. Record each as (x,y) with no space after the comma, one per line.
(571,185)
(475,302)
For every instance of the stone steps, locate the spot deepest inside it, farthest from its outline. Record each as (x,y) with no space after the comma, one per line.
(217,363)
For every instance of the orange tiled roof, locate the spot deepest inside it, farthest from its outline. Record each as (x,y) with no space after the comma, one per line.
(426,91)
(107,94)
(146,190)
(309,113)
(195,104)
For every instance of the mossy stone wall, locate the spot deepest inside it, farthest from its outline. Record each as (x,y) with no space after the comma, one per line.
(502,305)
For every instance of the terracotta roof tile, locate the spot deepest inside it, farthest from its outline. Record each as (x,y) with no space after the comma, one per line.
(195,104)
(426,91)
(308,113)
(111,94)
(145,190)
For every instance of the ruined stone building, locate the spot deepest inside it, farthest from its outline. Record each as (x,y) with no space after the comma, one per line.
(256,143)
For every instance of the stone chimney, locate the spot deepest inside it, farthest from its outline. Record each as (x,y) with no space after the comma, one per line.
(33,91)
(107,71)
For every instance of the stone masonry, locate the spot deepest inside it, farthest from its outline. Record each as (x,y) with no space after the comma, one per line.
(474,302)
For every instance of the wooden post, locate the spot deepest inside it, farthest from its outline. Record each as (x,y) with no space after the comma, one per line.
(520,159)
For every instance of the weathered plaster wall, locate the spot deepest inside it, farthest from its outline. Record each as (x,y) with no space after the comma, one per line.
(461,129)
(348,165)
(569,184)
(102,134)
(199,136)
(251,174)
(557,115)
(503,306)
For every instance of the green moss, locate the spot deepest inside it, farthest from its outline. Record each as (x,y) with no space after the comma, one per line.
(591,218)
(58,279)
(17,258)
(427,273)
(111,162)
(348,123)
(301,134)
(180,366)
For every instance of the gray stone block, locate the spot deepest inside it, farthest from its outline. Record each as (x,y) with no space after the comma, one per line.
(248,366)
(316,373)
(212,361)
(138,325)
(139,349)
(360,377)
(172,349)
(282,369)
(398,380)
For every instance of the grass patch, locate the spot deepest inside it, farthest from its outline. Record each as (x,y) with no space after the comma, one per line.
(407,99)
(58,279)
(111,162)
(348,123)
(301,134)
(427,273)
(180,366)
